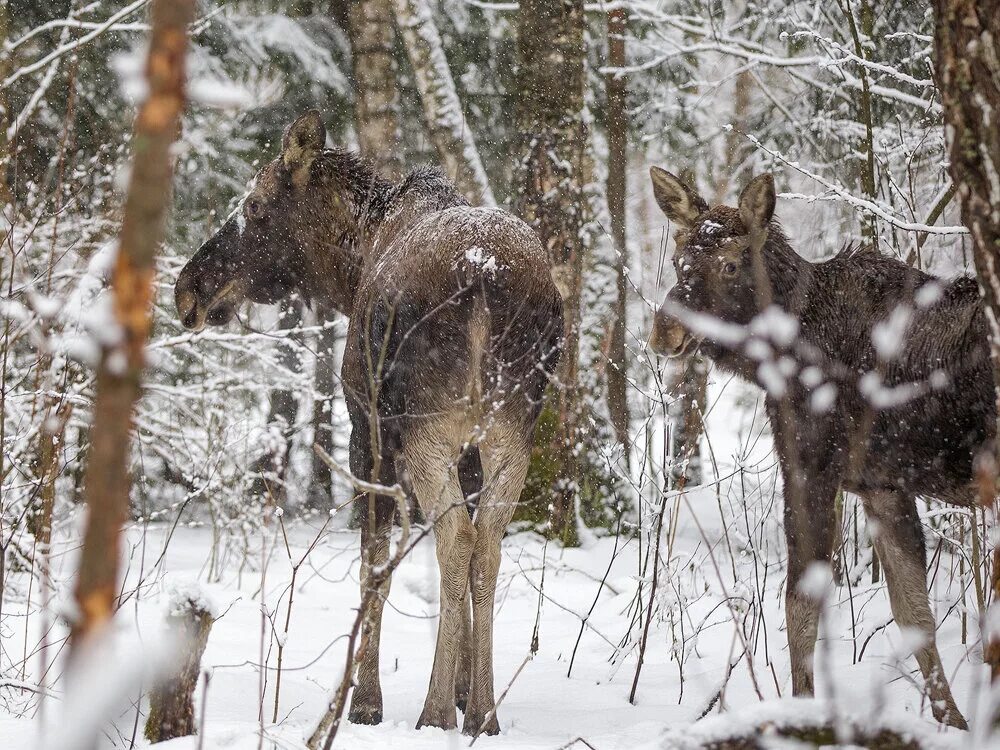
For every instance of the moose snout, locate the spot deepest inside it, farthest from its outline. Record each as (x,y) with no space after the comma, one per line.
(668,338)
(186,300)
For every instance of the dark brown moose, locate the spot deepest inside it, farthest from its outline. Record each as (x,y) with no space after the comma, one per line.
(877,380)
(455,327)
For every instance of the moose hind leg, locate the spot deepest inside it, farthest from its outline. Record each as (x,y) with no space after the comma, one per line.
(463,666)
(506,454)
(376,513)
(431,457)
(899,542)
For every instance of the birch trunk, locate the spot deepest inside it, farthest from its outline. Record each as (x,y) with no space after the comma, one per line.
(450,134)
(376,93)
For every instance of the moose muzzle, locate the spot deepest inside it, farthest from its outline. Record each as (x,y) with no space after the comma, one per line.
(668,338)
(208,290)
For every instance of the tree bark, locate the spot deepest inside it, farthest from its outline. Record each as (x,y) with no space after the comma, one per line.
(450,134)
(119,373)
(171,703)
(550,196)
(376,93)
(967,68)
(617,125)
(688,384)
(270,468)
(321,483)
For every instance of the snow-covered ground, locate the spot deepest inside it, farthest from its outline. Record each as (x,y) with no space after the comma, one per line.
(723,562)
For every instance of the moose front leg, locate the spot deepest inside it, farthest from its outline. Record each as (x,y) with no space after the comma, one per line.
(809,520)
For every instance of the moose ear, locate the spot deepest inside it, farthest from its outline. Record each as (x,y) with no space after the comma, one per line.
(303,140)
(680,203)
(757,203)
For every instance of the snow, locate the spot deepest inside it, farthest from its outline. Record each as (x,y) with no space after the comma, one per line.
(776,324)
(220,93)
(712,558)
(483,259)
(889,336)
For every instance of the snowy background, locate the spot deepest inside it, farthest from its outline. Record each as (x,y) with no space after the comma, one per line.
(721,90)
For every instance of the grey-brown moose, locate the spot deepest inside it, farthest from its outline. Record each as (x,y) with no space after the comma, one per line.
(877,380)
(455,327)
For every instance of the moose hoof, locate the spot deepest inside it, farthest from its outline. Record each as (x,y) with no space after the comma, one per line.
(474,724)
(369,715)
(442,719)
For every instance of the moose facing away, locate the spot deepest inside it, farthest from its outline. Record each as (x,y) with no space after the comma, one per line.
(455,328)
(877,380)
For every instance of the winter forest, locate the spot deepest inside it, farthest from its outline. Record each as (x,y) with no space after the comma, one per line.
(547,374)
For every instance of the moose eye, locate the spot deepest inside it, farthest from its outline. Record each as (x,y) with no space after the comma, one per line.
(254,208)
(729,269)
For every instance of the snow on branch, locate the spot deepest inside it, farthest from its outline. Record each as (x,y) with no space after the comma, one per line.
(841,194)
(797,722)
(68,47)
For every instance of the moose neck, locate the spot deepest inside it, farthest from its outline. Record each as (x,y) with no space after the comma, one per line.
(789,274)
(351,202)
(362,212)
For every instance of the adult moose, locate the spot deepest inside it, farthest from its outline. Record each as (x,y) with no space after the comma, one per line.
(877,380)
(454,329)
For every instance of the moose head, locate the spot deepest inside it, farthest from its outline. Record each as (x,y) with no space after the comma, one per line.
(718,261)
(267,246)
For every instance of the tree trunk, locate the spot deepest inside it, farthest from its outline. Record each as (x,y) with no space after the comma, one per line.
(321,483)
(450,134)
(119,373)
(967,68)
(270,468)
(376,93)
(617,124)
(550,196)
(688,384)
(171,702)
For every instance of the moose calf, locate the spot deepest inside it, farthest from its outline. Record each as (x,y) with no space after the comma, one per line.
(877,379)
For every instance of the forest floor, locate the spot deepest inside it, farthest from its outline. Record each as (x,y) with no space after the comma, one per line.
(723,563)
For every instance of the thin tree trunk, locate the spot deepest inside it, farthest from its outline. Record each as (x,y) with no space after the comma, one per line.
(119,373)
(688,385)
(617,124)
(321,483)
(967,68)
(450,134)
(270,468)
(550,196)
(376,93)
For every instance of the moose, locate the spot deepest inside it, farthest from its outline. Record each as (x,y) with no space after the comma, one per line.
(455,327)
(877,381)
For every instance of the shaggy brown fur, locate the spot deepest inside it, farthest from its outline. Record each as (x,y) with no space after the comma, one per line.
(878,382)
(454,330)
